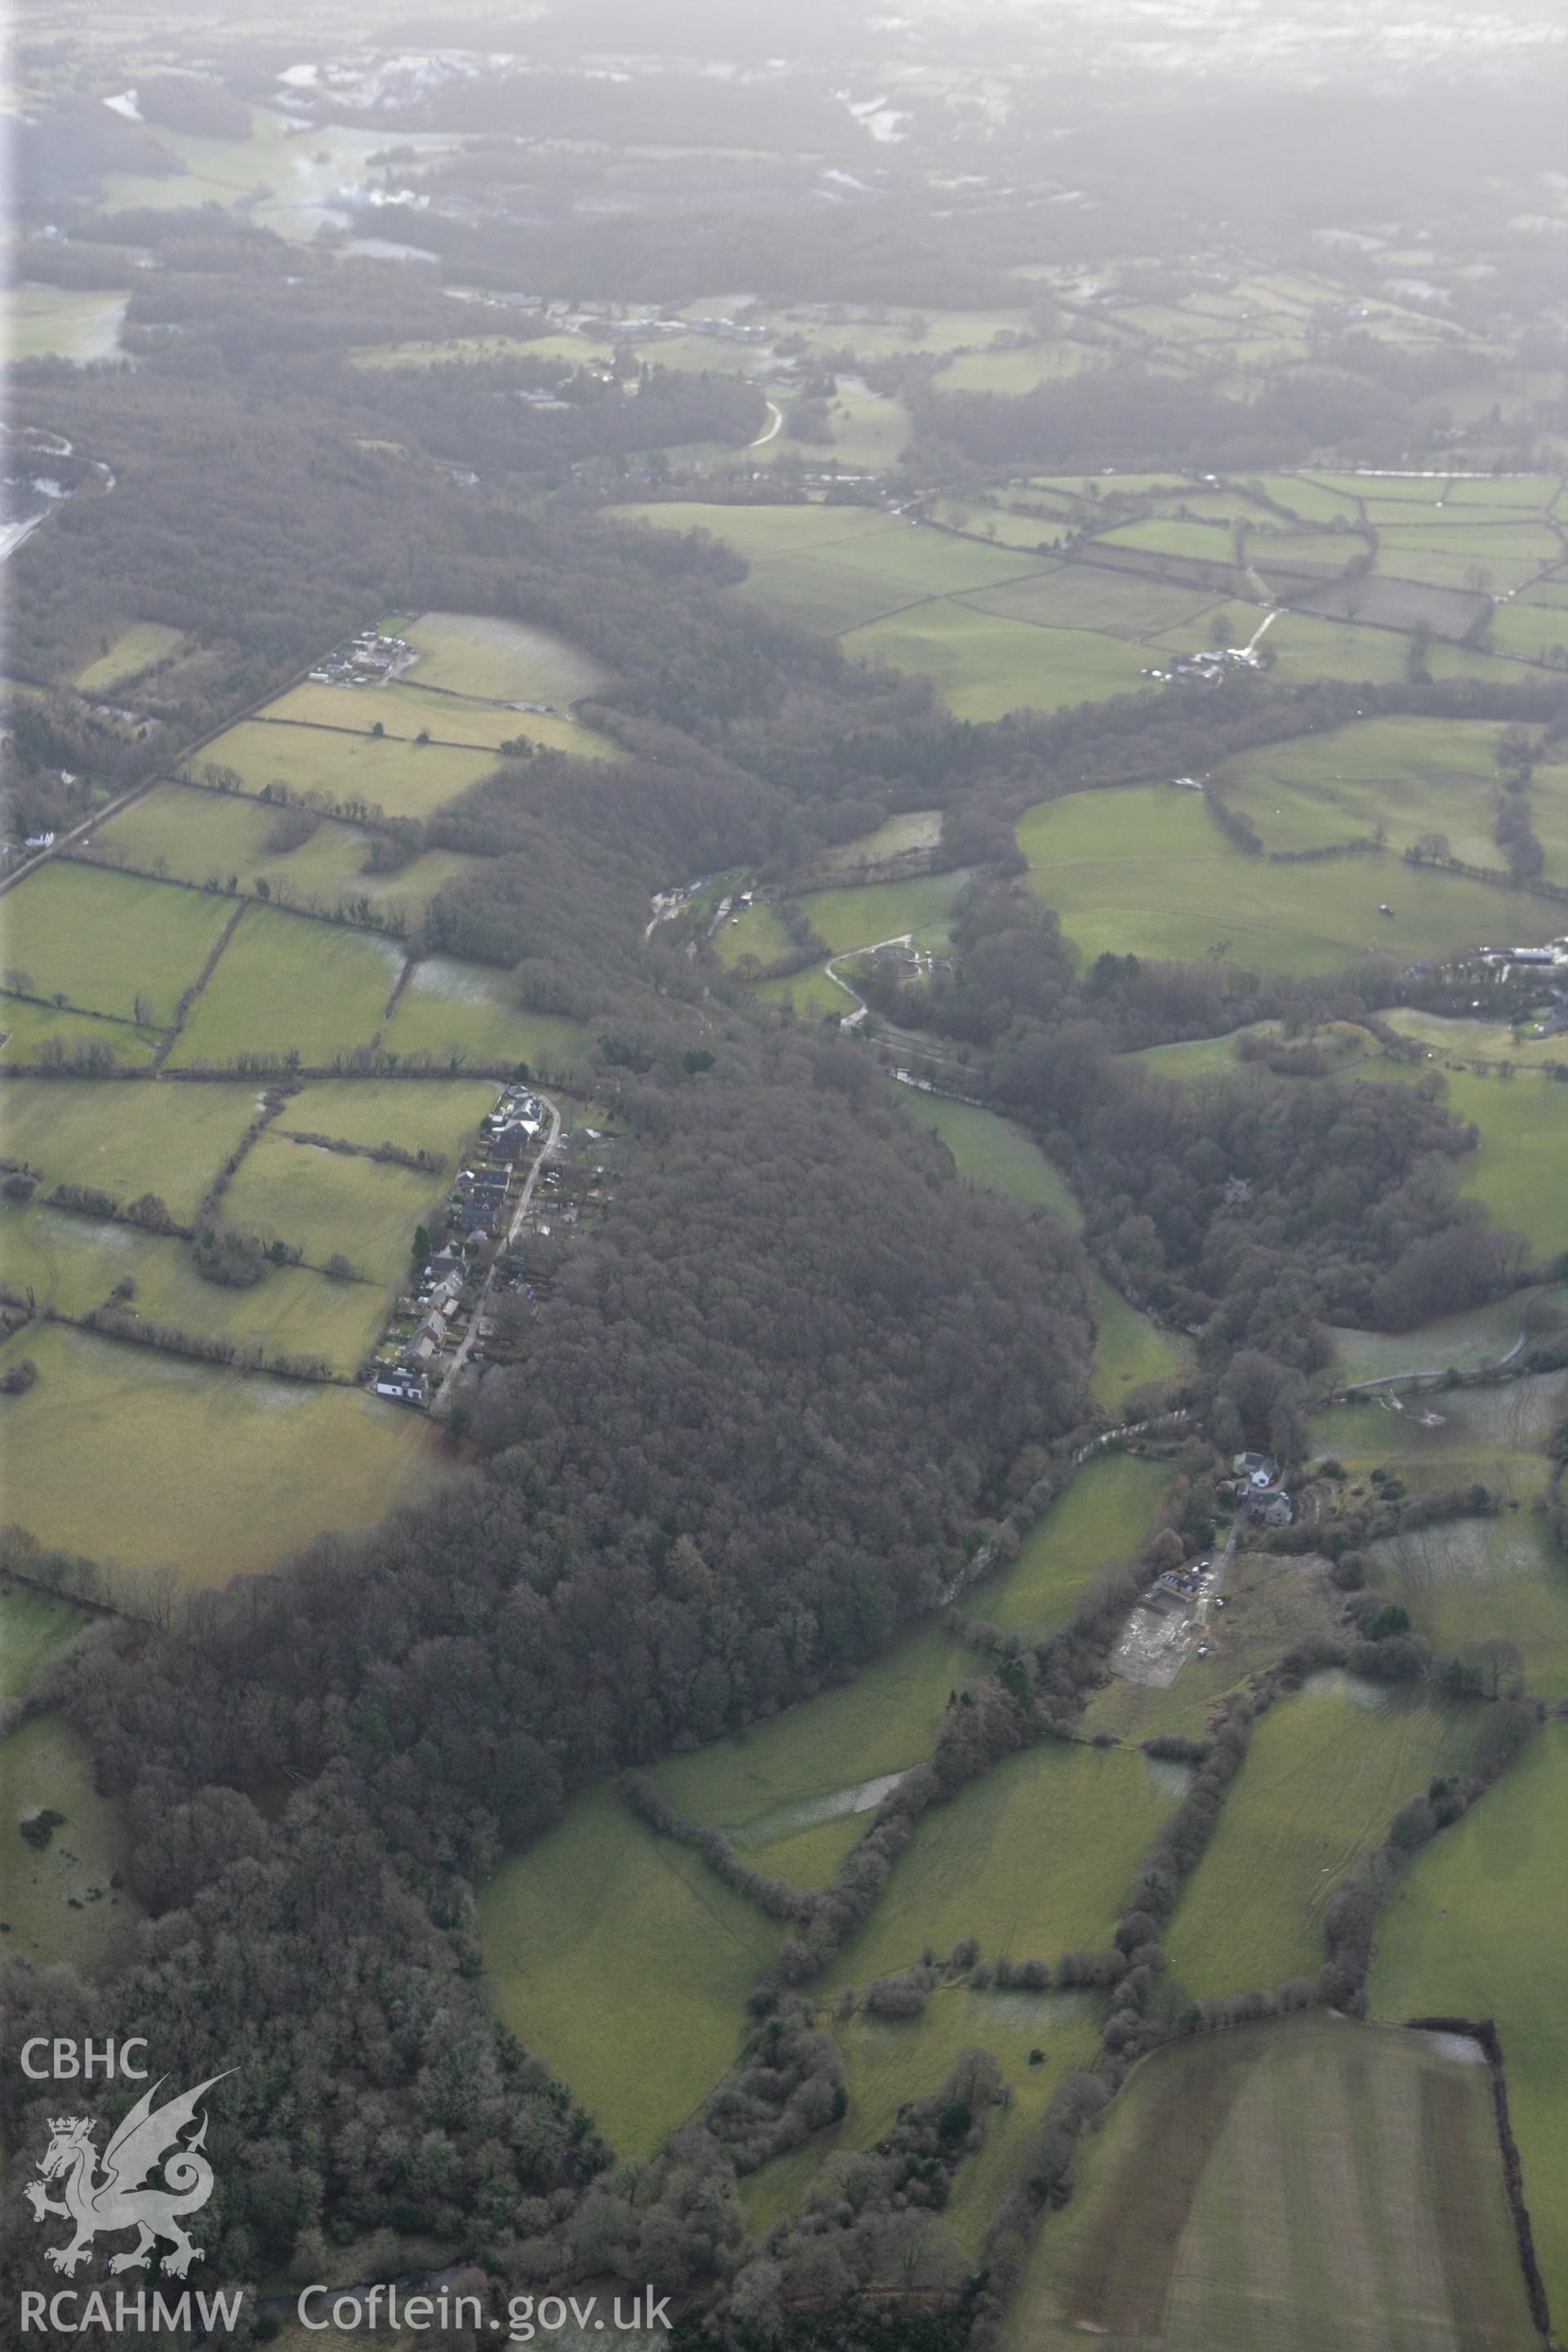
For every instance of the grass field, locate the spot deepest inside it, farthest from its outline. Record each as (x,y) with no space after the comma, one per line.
(992,1152)
(28,1030)
(404,708)
(432,1115)
(1311,2186)
(73,1265)
(32,1626)
(623,1963)
(793,1790)
(888,2061)
(1080,596)
(1477,1930)
(1519,1169)
(1325,1774)
(350,771)
(59,1902)
(453,1009)
(331,1201)
(135,649)
(872,911)
(983,667)
(757,931)
(814,1762)
(195,836)
(914,829)
(286,982)
(1143,868)
(214,1473)
(1034,1859)
(106,939)
(1132,1353)
(1497,1435)
(127,1139)
(810,995)
(1468,1342)
(507,661)
(1410,775)
(1473,1582)
(1104,1519)
(39,322)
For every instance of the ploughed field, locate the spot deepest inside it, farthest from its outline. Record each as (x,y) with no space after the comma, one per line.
(1313,2181)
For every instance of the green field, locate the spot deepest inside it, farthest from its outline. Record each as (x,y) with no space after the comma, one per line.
(30,1030)
(59,1902)
(992,1152)
(810,995)
(1081,596)
(39,322)
(331,1202)
(128,1139)
(888,2061)
(1036,1859)
(404,708)
(915,829)
(285,982)
(1475,1931)
(1470,1584)
(432,1114)
(1519,1169)
(793,1790)
(1453,1043)
(1144,869)
(104,940)
(983,666)
(214,1473)
(73,1265)
(1410,775)
(624,1963)
(1497,1435)
(507,661)
(817,1762)
(1468,1342)
(135,649)
(196,835)
(1132,1354)
(451,1010)
(347,771)
(1310,2186)
(32,1627)
(1324,1775)
(866,914)
(756,931)
(1103,1520)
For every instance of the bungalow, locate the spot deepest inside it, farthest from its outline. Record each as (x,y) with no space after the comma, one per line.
(1259,1470)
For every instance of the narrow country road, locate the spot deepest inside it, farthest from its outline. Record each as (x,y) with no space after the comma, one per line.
(437,1403)
(772,430)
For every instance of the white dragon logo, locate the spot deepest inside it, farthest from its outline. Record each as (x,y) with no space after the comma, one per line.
(148,2136)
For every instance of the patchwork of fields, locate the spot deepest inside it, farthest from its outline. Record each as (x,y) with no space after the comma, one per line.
(1063,590)
(193,953)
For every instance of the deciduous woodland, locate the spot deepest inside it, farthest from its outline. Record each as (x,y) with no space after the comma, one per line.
(784,1285)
